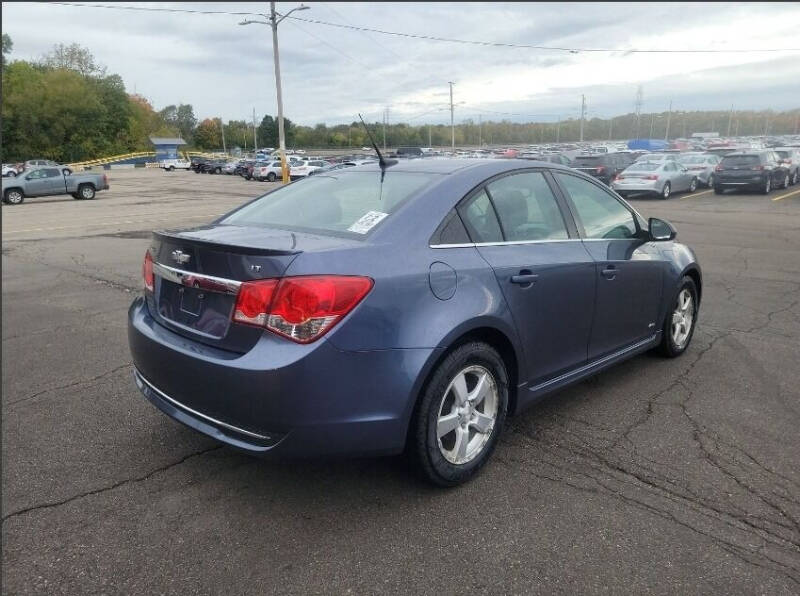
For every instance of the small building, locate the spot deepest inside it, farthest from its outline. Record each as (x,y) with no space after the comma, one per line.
(166,148)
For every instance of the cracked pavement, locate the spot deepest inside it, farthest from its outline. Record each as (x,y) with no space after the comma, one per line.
(657,476)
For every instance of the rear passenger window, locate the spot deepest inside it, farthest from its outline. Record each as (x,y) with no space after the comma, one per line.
(451,231)
(527,208)
(479,217)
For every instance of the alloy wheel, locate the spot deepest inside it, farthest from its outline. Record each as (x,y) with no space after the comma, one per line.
(467,414)
(666,191)
(14,197)
(682,318)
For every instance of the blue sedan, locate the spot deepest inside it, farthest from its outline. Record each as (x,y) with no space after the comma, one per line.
(375,310)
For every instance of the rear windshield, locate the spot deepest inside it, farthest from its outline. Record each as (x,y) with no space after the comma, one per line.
(342,201)
(783,153)
(741,160)
(588,161)
(643,167)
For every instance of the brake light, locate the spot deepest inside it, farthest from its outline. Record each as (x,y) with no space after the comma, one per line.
(301,308)
(147,272)
(758,168)
(601,169)
(651,177)
(719,168)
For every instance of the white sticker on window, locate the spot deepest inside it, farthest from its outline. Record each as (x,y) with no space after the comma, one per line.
(367,221)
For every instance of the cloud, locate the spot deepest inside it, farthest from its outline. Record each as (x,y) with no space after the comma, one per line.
(330,74)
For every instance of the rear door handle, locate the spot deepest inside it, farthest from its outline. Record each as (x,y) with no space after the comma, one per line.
(524,279)
(609,272)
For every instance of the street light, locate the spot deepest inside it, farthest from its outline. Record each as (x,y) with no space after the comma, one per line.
(274,20)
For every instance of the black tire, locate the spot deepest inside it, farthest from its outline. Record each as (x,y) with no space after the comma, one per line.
(13,196)
(171,168)
(668,347)
(786,181)
(86,192)
(718,190)
(248,177)
(794,178)
(14,175)
(196,171)
(271,177)
(218,171)
(75,196)
(666,191)
(693,185)
(424,443)
(765,190)
(710,182)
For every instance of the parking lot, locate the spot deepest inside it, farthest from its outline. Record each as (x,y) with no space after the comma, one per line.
(657,476)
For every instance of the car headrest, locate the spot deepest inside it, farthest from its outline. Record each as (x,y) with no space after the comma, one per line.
(511,205)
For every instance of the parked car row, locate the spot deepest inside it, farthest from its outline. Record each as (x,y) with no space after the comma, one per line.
(14,170)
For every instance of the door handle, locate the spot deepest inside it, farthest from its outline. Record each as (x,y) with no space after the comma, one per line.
(609,272)
(525,278)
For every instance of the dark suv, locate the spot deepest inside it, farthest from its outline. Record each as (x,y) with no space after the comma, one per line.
(751,170)
(603,167)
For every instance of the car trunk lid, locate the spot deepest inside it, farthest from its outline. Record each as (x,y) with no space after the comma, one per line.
(198,273)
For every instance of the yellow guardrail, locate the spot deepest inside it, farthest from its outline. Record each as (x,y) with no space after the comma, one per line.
(105,160)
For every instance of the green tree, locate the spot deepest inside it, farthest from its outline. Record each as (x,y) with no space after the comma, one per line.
(7,46)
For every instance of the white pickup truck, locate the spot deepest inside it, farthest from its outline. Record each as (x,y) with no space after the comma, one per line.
(170,165)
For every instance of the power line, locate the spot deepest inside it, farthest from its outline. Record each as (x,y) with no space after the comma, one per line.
(432,37)
(537,47)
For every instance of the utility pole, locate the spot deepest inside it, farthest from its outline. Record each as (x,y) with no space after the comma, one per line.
(766,124)
(669,117)
(737,128)
(255,143)
(558,129)
(452,122)
(730,121)
(384,128)
(430,144)
(480,131)
(652,122)
(583,112)
(638,106)
(222,128)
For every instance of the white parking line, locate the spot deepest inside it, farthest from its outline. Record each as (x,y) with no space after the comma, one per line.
(697,194)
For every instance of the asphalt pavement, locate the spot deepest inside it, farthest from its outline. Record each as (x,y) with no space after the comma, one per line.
(658,476)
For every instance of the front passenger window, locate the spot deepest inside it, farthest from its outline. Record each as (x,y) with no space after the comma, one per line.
(602,215)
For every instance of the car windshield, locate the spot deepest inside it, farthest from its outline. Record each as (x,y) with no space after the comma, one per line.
(740,160)
(783,154)
(351,202)
(693,159)
(643,167)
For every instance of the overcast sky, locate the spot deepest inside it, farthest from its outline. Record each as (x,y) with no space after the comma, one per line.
(331,74)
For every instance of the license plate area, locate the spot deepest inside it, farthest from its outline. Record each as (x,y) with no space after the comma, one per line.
(191,301)
(195,309)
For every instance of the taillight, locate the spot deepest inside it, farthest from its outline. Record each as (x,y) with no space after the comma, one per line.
(651,177)
(601,169)
(758,168)
(718,168)
(147,272)
(299,308)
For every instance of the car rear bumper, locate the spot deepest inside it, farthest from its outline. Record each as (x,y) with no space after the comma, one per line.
(279,398)
(636,186)
(740,182)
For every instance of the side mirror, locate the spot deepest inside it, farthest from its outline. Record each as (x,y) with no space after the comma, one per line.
(660,229)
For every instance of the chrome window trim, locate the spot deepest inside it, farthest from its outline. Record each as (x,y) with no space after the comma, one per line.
(511,242)
(142,381)
(191,279)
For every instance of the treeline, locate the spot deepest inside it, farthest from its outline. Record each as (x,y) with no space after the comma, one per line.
(64,106)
